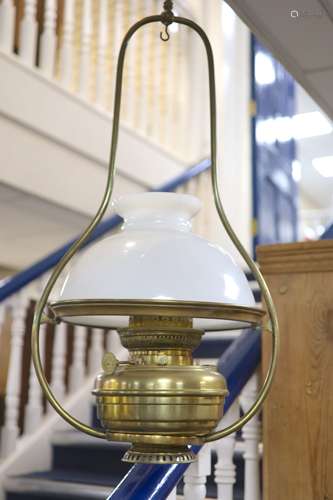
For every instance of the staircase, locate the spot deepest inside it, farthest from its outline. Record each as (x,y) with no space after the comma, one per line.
(84,467)
(57,61)
(42,458)
(72,465)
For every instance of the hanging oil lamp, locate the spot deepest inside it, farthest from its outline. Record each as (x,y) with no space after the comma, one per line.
(161,287)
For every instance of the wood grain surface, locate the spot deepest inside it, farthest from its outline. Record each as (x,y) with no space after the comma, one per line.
(298,416)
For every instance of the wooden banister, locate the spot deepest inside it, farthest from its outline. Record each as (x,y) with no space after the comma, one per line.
(297,429)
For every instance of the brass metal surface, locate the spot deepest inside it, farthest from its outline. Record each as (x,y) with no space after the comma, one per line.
(147,323)
(178,338)
(173,309)
(250,316)
(153,439)
(161,357)
(109,363)
(161,401)
(158,380)
(157,455)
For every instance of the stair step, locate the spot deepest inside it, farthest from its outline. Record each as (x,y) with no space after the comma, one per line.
(86,467)
(92,457)
(56,484)
(74,477)
(75,451)
(36,488)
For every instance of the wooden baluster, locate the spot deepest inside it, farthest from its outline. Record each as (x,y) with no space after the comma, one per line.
(78,369)
(48,39)
(58,367)
(251,435)
(96,351)
(196,475)
(101,53)
(85,47)
(225,469)
(170,111)
(144,68)
(155,114)
(130,77)
(196,98)
(182,189)
(192,186)
(28,33)
(66,48)
(7,25)
(34,408)
(181,97)
(118,33)
(10,430)
(3,313)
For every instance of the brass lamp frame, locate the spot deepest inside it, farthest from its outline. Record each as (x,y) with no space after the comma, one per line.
(251,315)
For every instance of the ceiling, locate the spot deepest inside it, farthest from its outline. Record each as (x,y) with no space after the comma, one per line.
(300,35)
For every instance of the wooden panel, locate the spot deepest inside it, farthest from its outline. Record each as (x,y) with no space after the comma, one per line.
(297,420)
(304,257)
(4,361)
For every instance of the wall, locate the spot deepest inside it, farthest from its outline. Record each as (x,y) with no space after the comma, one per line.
(230,40)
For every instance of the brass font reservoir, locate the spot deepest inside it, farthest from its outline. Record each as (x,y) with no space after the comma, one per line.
(159,400)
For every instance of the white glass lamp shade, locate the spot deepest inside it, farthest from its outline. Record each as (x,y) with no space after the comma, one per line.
(155,256)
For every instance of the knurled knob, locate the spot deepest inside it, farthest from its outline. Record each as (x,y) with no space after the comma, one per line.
(109,363)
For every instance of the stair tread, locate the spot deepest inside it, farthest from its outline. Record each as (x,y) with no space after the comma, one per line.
(68,476)
(63,481)
(58,484)
(75,438)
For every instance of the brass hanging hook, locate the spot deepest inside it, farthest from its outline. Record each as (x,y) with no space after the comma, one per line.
(167,18)
(164,36)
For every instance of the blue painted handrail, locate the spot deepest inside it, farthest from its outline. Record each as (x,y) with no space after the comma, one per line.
(328,233)
(14,284)
(155,482)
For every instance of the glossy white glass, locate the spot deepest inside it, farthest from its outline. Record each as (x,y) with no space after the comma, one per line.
(155,256)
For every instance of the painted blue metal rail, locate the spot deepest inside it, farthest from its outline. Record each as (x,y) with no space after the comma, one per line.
(155,482)
(328,233)
(20,280)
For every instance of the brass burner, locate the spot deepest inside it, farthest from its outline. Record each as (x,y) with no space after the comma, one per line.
(159,401)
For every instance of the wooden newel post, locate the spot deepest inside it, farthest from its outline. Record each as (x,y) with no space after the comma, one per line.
(298,415)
